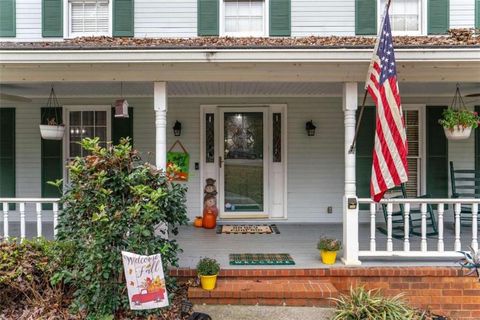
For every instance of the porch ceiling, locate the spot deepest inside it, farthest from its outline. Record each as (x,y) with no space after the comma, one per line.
(223,89)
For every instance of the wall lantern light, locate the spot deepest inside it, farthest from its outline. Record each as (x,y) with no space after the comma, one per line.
(310,127)
(177,129)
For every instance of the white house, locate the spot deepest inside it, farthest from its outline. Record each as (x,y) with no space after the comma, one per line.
(243,104)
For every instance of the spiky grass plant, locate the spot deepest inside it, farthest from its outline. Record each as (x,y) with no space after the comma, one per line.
(361,304)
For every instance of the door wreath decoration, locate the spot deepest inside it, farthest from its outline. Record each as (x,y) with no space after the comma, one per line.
(178,162)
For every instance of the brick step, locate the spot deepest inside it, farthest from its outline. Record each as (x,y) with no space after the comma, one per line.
(289,292)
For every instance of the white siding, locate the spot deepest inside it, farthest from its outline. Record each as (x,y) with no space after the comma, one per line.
(323,18)
(315,164)
(164,18)
(462,14)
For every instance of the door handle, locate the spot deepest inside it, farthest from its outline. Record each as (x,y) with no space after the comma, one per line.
(220,161)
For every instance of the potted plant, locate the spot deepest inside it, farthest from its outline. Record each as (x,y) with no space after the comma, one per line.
(52,129)
(328,249)
(207,270)
(457,120)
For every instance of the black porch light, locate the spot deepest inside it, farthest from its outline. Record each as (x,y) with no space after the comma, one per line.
(310,127)
(177,129)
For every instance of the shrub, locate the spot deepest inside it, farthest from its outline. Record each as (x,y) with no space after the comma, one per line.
(461,117)
(208,267)
(329,244)
(113,203)
(361,304)
(26,272)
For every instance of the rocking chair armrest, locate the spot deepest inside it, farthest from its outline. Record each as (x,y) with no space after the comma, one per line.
(455,195)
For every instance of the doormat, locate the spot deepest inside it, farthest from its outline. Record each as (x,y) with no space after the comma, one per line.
(243,259)
(248,229)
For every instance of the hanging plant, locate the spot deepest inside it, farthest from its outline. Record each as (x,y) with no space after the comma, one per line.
(457,120)
(52,129)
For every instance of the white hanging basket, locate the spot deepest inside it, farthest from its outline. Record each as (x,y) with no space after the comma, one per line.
(50,132)
(458,133)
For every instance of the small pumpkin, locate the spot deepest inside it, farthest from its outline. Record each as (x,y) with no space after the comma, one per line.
(198,222)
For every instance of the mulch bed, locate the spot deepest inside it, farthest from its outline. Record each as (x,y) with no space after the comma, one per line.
(456,37)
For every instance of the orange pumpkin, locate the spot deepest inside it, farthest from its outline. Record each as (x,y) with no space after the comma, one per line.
(209,219)
(198,222)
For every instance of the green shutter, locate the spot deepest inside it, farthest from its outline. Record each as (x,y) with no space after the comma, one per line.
(122,127)
(52,18)
(123,18)
(8,26)
(437,155)
(438,16)
(365,17)
(208,17)
(7,154)
(51,159)
(364,153)
(280,18)
(477,14)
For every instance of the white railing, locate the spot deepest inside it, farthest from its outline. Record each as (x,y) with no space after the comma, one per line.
(438,250)
(20,209)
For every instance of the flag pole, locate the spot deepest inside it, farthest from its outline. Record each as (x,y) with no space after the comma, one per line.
(362,109)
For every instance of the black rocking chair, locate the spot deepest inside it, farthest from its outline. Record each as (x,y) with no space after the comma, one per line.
(415,217)
(465,184)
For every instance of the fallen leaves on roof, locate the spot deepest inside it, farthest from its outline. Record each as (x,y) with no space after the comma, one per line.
(455,37)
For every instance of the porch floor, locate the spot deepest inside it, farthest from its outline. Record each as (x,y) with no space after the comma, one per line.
(300,240)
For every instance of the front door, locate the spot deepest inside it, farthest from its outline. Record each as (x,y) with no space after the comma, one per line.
(243,162)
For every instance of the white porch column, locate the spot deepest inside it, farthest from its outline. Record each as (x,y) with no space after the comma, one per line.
(350,215)
(160,106)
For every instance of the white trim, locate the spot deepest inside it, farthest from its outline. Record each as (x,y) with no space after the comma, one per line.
(66,120)
(67,21)
(422,12)
(266,21)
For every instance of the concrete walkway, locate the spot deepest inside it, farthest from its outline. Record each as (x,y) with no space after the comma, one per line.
(228,312)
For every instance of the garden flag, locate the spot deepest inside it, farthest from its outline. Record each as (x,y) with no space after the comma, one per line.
(145,281)
(389,167)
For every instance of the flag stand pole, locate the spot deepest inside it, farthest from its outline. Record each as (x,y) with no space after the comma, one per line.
(360,116)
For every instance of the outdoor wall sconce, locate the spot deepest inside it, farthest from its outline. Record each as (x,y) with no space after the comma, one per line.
(177,129)
(310,127)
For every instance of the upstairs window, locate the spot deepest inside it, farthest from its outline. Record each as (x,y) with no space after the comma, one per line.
(244,18)
(89,18)
(405,16)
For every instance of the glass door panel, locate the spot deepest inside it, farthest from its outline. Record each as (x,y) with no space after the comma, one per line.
(243,156)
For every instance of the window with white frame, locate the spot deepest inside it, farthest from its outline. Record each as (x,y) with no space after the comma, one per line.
(405,16)
(244,17)
(89,17)
(91,123)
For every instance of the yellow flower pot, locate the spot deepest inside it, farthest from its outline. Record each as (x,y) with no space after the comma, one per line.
(208,282)
(328,257)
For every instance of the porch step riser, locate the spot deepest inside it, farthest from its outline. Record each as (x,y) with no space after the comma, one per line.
(267,292)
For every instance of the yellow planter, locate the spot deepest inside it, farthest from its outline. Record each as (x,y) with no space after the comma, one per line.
(328,257)
(208,282)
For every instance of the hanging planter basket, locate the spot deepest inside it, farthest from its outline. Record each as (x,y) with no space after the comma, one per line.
(52,130)
(458,133)
(457,120)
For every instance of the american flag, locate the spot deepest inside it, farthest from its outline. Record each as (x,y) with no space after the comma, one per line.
(389,168)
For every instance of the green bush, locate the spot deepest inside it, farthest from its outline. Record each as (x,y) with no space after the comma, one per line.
(112,203)
(361,304)
(208,267)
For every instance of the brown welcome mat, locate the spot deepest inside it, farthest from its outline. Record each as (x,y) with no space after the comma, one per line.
(248,229)
(241,259)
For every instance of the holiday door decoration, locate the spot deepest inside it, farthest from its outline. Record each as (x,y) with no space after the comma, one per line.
(179,161)
(210,210)
(145,281)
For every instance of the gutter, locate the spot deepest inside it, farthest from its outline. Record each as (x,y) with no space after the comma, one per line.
(264,55)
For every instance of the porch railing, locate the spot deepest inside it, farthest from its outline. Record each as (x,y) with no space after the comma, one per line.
(438,250)
(20,209)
